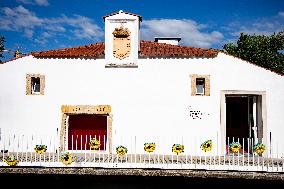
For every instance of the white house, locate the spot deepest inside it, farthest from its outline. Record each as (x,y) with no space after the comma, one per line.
(127,92)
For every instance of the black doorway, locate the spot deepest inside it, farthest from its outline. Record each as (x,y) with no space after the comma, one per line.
(237,118)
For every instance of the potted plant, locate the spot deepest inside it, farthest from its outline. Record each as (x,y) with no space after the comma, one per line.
(178,148)
(121,150)
(207,146)
(235,147)
(259,148)
(66,158)
(94,144)
(11,160)
(40,148)
(149,147)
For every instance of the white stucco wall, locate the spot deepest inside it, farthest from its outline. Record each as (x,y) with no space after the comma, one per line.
(149,101)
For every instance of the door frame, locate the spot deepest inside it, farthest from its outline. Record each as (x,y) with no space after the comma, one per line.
(84,109)
(223,94)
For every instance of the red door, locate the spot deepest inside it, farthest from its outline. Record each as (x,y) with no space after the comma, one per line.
(83,127)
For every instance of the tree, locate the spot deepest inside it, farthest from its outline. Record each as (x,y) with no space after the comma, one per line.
(2,40)
(265,51)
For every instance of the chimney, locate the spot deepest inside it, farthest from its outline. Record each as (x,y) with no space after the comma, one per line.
(168,40)
(17,54)
(122,39)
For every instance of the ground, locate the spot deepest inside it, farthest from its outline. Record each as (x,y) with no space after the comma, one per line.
(132,178)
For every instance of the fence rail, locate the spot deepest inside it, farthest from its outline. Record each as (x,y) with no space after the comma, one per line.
(132,152)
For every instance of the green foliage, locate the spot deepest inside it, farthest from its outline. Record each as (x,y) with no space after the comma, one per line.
(262,50)
(2,40)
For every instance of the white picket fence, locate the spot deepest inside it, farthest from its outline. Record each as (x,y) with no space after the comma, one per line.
(21,148)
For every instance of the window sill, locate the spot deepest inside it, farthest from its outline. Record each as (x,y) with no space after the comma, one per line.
(130,65)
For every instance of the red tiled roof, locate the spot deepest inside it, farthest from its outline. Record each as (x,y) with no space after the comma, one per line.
(154,49)
(88,51)
(147,49)
(114,13)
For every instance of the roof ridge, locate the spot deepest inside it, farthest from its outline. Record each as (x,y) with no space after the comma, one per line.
(147,49)
(181,46)
(74,47)
(15,58)
(58,52)
(278,73)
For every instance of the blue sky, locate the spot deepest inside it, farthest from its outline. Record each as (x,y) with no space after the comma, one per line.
(36,25)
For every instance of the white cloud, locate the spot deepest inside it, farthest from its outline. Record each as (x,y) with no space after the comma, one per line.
(42,2)
(34,2)
(84,27)
(43,38)
(262,26)
(28,33)
(190,31)
(55,28)
(20,19)
(281,14)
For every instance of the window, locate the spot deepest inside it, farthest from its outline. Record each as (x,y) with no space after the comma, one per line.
(35,84)
(200,85)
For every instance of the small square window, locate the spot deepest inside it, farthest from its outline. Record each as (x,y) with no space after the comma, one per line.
(200,86)
(35,84)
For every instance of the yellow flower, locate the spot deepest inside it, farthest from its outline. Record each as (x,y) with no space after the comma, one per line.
(149,147)
(207,146)
(259,148)
(95,144)
(178,148)
(11,161)
(235,147)
(66,158)
(121,150)
(40,148)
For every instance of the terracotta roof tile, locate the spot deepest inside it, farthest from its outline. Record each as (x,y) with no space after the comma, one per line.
(88,51)
(155,50)
(147,50)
